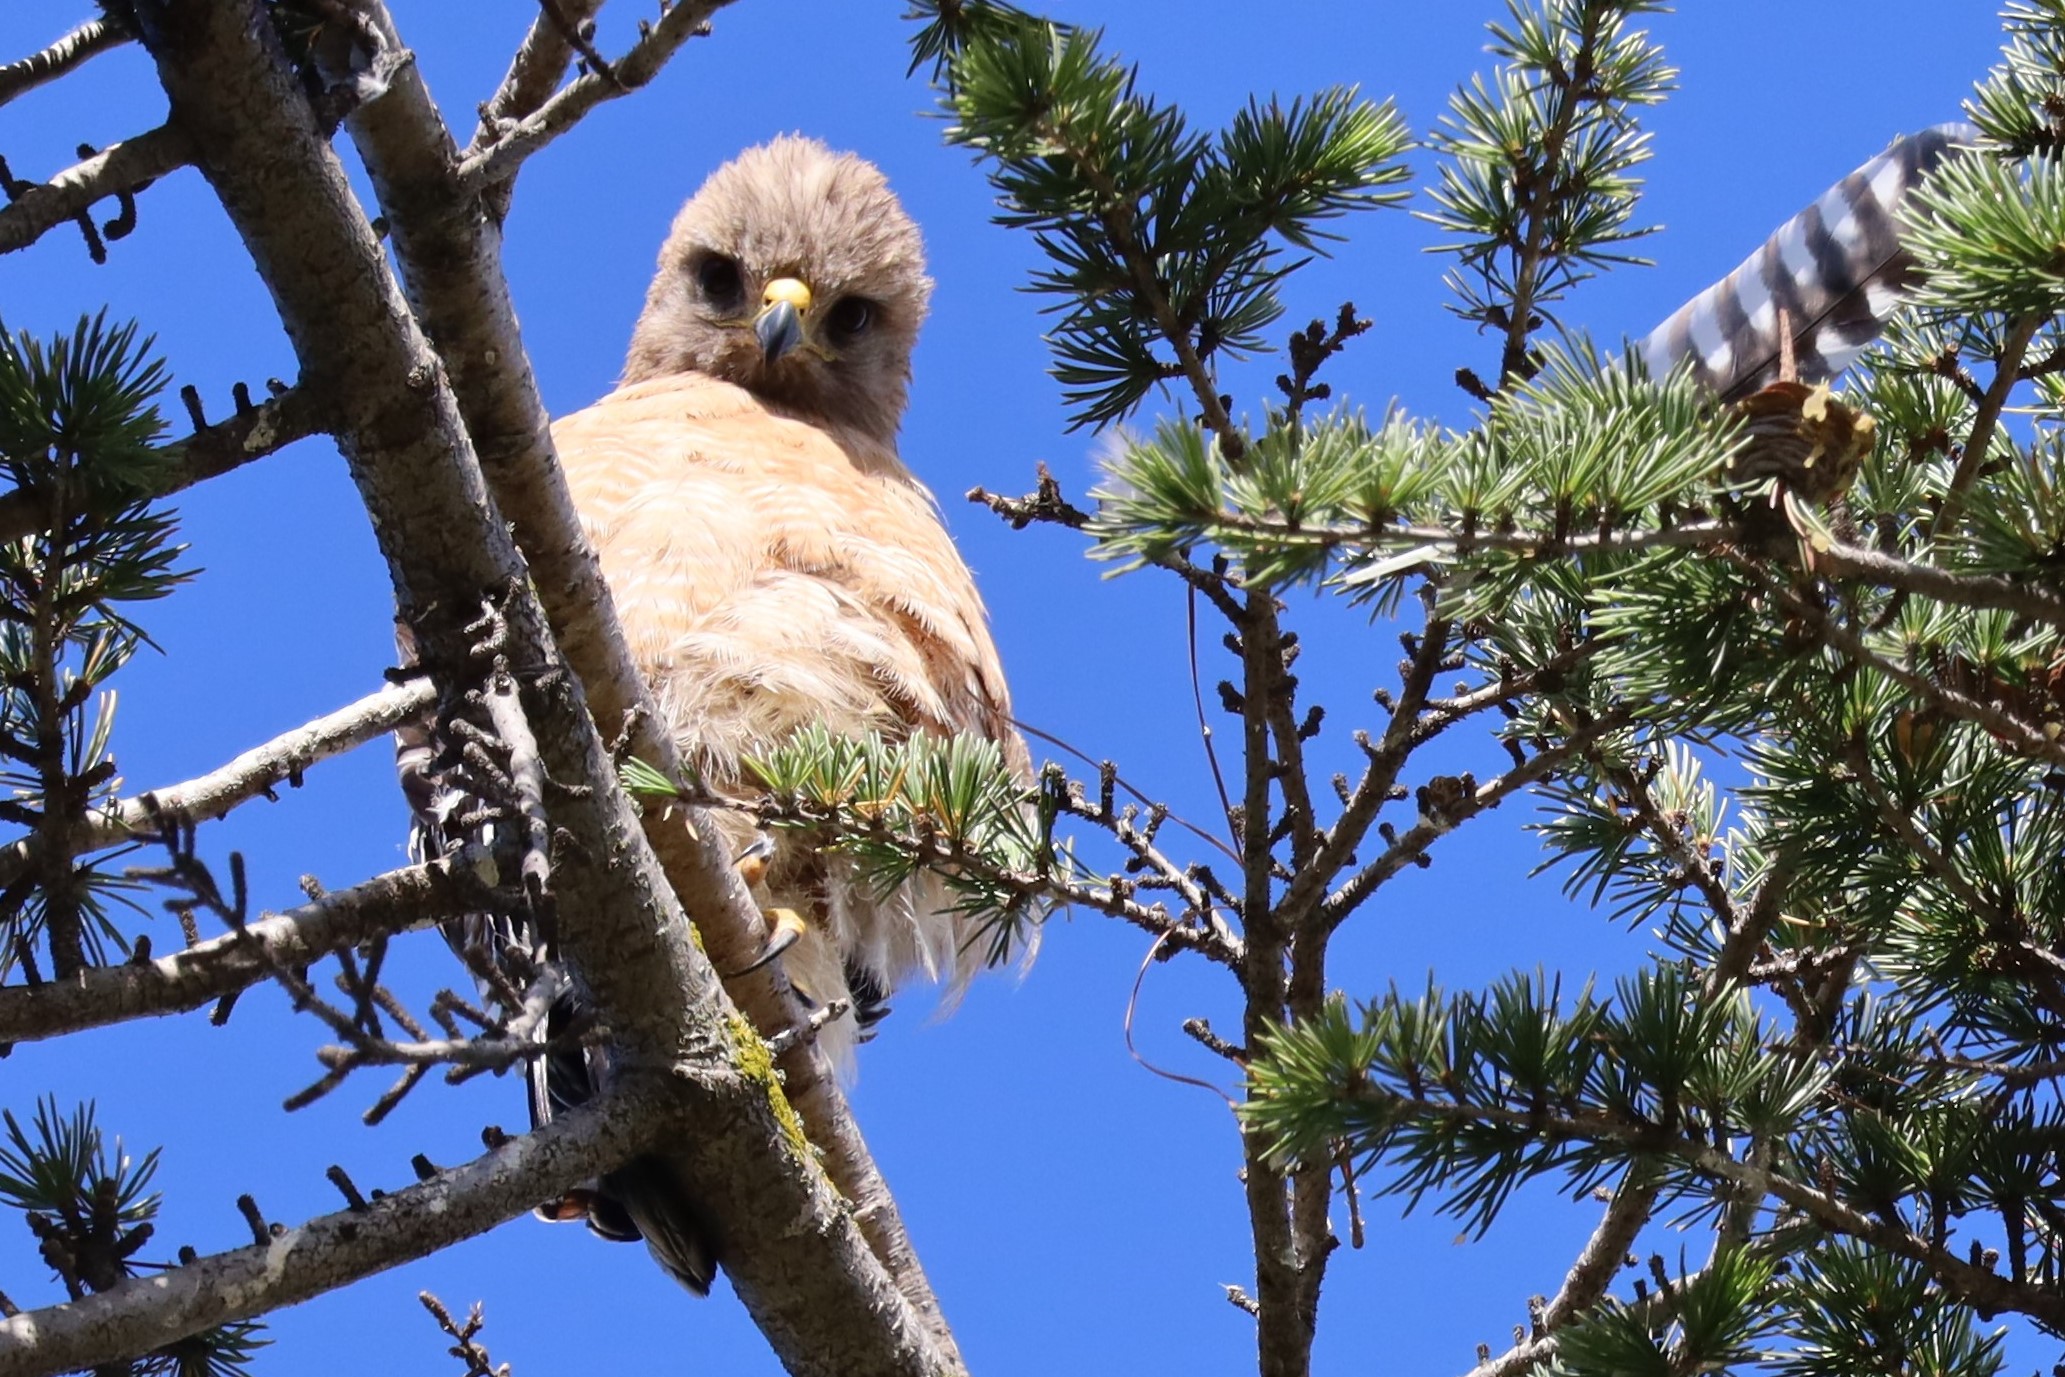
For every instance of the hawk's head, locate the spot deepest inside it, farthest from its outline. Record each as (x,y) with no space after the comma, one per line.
(795,273)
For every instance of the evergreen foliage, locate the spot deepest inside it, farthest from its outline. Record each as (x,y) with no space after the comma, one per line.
(79,439)
(77,433)
(1808,736)
(92,1211)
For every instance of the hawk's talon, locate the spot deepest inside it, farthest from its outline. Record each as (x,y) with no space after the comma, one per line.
(788,927)
(752,862)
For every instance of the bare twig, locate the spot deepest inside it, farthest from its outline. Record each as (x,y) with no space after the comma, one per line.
(251,775)
(1414,841)
(498,161)
(398,901)
(2007,370)
(121,168)
(464,1345)
(1601,1259)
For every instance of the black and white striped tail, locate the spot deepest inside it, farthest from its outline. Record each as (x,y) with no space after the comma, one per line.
(1837,270)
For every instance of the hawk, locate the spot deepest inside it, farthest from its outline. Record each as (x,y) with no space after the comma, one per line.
(772,559)
(775,564)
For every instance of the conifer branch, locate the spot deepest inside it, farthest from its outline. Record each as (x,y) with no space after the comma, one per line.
(399,901)
(334,1250)
(2023,737)
(1973,1284)
(1536,189)
(1982,592)
(252,433)
(254,774)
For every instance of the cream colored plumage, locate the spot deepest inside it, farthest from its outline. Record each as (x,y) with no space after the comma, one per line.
(773,564)
(770,573)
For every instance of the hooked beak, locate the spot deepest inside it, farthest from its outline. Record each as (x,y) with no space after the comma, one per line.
(779,326)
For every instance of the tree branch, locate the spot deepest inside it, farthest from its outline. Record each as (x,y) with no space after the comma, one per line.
(1414,841)
(2007,370)
(68,53)
(1605,1252)
(2024,738)
(451,262)
(1971,1283)
(484,167)
(399,901)
(73,191)
(335,1250)
(791,1246)
(533,72)
(253,433)
(256,772)
(1986,592)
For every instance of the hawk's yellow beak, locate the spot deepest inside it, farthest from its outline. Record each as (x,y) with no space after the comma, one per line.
(780,322)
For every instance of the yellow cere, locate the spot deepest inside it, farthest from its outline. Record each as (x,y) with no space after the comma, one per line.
(788,289)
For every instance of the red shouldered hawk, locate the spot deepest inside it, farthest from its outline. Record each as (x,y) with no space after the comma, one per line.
(775,564)
(773,561)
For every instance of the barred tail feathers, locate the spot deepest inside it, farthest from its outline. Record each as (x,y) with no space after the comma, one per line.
(1836,271)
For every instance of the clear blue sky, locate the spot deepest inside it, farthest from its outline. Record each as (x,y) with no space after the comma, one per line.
(1075,1212)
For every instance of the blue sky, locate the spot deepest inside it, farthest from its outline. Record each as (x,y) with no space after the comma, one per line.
(1076,1213)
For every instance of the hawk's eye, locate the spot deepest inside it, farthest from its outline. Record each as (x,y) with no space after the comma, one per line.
(850,316)
(719,279)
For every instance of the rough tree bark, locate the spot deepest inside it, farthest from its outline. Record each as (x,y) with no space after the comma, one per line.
(419,393)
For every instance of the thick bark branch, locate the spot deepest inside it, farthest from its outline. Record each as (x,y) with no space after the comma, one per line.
(40,209)
(791,1246)
(398,901)
(335,1250)
(450,258)
(255,772)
